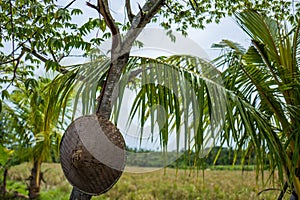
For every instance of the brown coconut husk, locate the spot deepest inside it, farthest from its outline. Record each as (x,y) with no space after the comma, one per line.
(92,154)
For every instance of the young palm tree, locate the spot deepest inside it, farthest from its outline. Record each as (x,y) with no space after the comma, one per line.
(10,144)
(266,76)
(41,116)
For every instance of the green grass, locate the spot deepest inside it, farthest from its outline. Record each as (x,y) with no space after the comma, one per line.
(174,184)
(233,167)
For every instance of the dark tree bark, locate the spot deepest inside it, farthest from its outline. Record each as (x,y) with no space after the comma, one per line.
(78,195)
(3,186)
(35,180)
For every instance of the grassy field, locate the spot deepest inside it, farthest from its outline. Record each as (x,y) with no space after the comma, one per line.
(181,184)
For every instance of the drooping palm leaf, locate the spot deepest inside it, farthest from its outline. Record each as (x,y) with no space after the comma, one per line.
(267,77)
(199,110)
(82,82)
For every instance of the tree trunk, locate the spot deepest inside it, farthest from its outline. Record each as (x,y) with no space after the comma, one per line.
(78,195)
(3,187)
(35,180)
(120,51)
(106,98)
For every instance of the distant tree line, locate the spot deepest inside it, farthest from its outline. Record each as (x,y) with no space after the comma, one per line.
(214,156)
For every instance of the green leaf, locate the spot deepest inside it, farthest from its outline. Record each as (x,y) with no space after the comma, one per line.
(30,83)
(76,12)
(102,25)
(4,155)
(5,94)
(49,64)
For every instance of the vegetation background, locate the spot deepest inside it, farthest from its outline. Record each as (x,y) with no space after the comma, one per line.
(260,90)
(234,183)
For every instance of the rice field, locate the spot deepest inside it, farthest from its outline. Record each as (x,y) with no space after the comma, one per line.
(157,184)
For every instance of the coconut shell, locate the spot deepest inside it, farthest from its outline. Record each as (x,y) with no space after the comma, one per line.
(92,154)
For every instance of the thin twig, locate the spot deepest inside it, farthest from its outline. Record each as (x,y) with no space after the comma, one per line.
(268,189)
(170,9)
(52,53)
(9,61)
(12,30)
(192,4)
(43,59)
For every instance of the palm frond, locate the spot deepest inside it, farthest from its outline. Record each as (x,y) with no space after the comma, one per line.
(265,81)
(262,29)
(82,82)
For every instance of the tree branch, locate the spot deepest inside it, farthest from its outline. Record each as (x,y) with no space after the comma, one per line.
(92,6)
(42,58)
(192,2)
(16,68)
(36,54)
(170,9)
(129,11)
(9,61)
(67,6)
(52,53)
(120,56)
(148,11)
(103,9)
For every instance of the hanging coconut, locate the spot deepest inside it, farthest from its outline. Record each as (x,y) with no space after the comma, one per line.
(92,154)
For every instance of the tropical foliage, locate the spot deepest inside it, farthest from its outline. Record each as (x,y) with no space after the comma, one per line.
(254,109)
(265,78)
(252,105)
(37,127)
(38,34)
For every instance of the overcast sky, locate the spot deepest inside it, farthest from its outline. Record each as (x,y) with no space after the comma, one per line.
(198,42)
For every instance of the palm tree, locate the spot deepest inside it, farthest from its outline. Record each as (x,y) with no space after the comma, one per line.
(40,117)
(13,140)
(266,76)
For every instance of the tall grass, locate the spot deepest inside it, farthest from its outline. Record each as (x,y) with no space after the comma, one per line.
(174,184)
